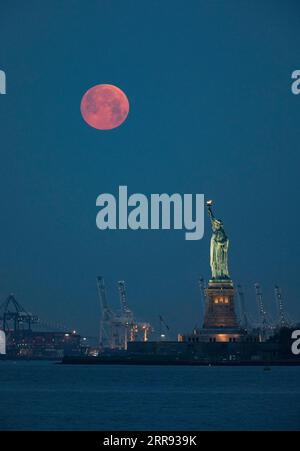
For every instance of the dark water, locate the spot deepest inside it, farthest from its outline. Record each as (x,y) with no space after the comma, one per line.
(47,396)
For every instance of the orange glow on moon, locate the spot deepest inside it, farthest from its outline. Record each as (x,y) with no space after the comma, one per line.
(104,107)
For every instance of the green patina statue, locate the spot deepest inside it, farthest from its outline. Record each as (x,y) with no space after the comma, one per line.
(218,247)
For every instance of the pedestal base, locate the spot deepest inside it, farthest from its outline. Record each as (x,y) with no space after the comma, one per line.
(219,308)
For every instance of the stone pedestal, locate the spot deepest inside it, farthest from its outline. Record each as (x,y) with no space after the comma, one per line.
(219,308)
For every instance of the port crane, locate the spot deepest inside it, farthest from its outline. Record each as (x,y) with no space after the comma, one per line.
(123,300)
(133,327)
(109,337)
(263,321)
(243,312)
(116,329)
(14,316)
(202,286)
(162,323)
(283,318)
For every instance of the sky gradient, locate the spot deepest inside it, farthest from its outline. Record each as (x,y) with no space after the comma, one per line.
(211,111)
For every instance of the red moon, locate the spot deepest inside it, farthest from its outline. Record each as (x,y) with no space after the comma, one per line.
(104,107)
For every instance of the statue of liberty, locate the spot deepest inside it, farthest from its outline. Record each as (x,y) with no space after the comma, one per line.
(218,247)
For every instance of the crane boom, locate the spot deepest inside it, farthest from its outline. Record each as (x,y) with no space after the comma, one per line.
(14,312)
(106,312)
(123,298)
(202,284)
(107,335)
(163,322)
(241,297)
(261,310)
(283,321)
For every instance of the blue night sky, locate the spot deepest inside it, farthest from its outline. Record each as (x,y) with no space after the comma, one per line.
(211,111)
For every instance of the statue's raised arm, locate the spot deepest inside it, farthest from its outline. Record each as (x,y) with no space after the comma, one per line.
(209,210)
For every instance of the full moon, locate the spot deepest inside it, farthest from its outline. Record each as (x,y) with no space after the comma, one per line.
(104,107)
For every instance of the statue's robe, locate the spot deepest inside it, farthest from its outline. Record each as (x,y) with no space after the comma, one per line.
(219,251)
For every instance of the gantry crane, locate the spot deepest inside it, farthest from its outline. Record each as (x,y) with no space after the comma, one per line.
(202,286)
(116,329)
(243,312)
(108,337)
(131,328)
(123,301)
(162,323)
(263,321)
(127,317)
(14,316)
(283,319)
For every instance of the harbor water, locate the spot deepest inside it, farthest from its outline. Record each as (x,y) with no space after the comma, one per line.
(49,396)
